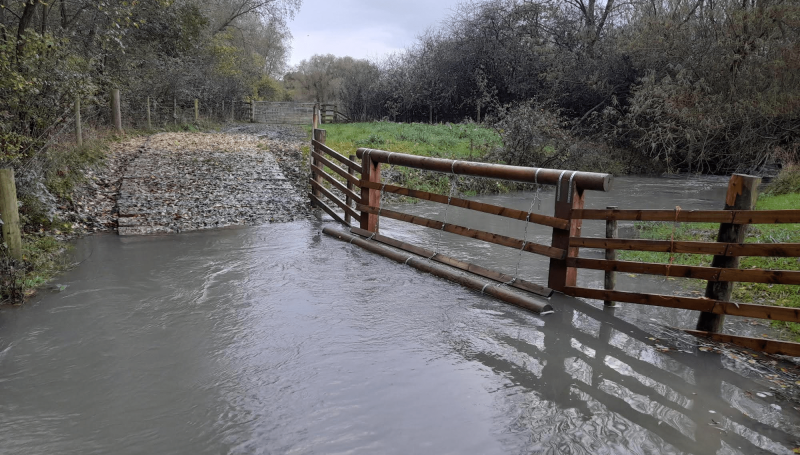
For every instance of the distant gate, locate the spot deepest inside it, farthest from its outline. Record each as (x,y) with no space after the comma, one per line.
(281,113)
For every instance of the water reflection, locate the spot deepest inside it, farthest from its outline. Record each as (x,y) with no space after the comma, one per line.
(588,382)
(279,340)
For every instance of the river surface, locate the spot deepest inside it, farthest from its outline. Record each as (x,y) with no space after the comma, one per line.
(279,339)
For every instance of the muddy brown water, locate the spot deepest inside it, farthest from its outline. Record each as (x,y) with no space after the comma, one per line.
(278,339)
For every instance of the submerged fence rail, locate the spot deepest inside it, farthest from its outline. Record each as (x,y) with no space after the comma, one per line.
(360,200)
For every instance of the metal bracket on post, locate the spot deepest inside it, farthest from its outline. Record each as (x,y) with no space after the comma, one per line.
(561,276)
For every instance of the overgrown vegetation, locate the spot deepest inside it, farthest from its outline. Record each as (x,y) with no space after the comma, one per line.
(775,197)
(42,257)
(693,86)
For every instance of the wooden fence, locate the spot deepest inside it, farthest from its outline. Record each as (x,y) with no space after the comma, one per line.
(329,113)
(359,199)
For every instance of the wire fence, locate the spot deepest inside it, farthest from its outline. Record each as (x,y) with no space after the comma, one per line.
(162,111)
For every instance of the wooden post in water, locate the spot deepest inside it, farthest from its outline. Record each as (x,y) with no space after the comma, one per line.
(742,195)
(568,198)
(610,279)
(319,136)
(9,211)
(116,110)
(371,172)
(196,110)
(149,122)
(78,131)
(348,199)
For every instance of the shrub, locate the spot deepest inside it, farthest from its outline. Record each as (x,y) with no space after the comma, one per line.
(787,181)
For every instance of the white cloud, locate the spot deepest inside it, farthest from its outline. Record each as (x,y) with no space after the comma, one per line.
(362,28)
(369,43)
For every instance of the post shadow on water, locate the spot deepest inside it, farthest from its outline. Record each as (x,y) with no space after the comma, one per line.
(680,396)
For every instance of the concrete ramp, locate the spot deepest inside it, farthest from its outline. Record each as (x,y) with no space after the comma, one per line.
(181,182)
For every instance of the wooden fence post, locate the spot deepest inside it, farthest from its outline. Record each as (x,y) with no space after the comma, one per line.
(196,110)
(371,172)
(315,118)
(233,110)
(78,131)
(252,111)
(610,279)
(116,110)
(175,109)
(568,197)
(742,195)
(319,136)
(149,122)
(348,199)
(9,211)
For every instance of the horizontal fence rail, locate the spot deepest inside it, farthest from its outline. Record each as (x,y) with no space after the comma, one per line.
(690,271)
(694,216)
(720,276)
(582,180)
(497,239)
(667,246)
(334,179)
(692,303)
(498,210)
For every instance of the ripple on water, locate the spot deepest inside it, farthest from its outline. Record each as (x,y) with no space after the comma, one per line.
(280,340)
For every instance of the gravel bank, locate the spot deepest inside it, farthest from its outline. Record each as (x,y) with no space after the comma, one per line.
(174,182)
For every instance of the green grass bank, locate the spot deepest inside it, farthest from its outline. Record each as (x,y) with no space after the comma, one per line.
(465,141)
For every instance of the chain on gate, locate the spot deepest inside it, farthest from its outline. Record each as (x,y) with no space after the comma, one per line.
(453,182)
(537,198)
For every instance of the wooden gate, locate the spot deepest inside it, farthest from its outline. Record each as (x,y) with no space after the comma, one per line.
(364,206)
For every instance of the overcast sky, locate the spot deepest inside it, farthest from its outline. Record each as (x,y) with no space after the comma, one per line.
(362,28)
